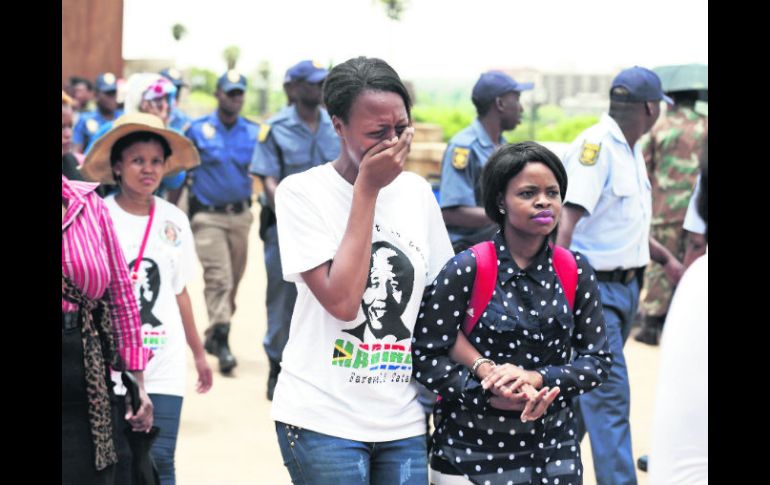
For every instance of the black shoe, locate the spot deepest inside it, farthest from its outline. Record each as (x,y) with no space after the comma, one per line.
(647,336)
(210,344)
(272,378)
(651,330)
(641,463)
(216,344)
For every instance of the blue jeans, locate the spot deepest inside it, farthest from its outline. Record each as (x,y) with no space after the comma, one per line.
(605,410)
(167,411)
(318,459)
(281,296)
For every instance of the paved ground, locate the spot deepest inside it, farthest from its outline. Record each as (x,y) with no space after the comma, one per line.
(227,437)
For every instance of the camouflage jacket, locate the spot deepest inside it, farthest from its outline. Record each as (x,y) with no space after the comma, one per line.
(671,151)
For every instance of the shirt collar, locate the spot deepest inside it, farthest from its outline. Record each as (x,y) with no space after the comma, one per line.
(214,120)
(540,269)
(75,193)
(613,128)
(293,117)
(325,118)
(483,136)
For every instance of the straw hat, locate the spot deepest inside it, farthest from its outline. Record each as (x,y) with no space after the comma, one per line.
(97,166)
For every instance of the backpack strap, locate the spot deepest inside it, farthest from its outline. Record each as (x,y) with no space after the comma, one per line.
(486,277)
(566,270)
(483,284)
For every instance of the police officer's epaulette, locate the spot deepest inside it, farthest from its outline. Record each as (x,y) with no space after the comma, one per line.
(264,130)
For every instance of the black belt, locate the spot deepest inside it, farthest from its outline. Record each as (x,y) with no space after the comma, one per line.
(69,320)
(232,208)
(624,276)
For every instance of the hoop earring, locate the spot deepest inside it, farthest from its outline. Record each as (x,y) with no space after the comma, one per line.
(502,211)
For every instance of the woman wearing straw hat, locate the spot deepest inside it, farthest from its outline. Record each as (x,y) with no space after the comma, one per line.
(156,238)
(151,93)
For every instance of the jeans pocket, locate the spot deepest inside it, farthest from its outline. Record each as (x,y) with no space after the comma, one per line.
(288,441)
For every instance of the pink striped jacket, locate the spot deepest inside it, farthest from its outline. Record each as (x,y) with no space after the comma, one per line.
(92,258)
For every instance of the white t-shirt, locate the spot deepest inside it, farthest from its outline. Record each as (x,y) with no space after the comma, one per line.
(354,379)
(167,266)
(680,426)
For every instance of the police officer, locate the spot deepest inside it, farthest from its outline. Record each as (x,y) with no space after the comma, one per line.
(606,217)
(671,151)
(106,110)
(220,197)
(299,137)
(178,120)
(496,97)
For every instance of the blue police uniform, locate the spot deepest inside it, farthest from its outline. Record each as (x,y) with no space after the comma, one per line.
(89,123)
(88,127)
(220,197)
(465,156)
(608,178)
(287,146)
(223,176)
(220,214)
(178,120)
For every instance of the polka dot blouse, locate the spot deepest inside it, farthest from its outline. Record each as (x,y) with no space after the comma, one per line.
(527,323)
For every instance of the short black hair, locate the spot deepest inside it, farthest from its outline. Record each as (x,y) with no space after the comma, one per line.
(116,152)
(348,80)
(482,105)
(506,163)
(75,80)
(703,198)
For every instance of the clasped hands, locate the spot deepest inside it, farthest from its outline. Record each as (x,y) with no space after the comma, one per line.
(516,389)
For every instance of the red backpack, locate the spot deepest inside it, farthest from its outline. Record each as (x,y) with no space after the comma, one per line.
(486,278)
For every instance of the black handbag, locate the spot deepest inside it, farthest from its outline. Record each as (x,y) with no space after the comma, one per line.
(143,468)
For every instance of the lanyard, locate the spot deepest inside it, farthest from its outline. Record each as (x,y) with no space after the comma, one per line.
(134,274)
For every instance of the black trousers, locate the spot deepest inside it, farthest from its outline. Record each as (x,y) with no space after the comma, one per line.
(77,448)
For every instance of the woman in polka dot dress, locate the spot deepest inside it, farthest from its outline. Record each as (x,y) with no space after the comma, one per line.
(506,415)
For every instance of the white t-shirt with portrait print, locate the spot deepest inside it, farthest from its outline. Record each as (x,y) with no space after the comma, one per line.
(353,379)
(167,266)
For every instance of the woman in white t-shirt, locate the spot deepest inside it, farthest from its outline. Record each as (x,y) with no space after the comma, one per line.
(157,242)
(361,239)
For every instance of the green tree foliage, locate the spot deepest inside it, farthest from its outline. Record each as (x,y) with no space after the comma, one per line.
(231,55)
(552,124)
(451,119)
(178,31)
(203,80)
(394,9)
(567,129)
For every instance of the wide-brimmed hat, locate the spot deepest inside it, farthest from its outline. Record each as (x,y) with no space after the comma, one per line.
(97,166)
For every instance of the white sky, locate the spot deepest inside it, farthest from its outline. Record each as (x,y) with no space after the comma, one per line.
(436,39)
